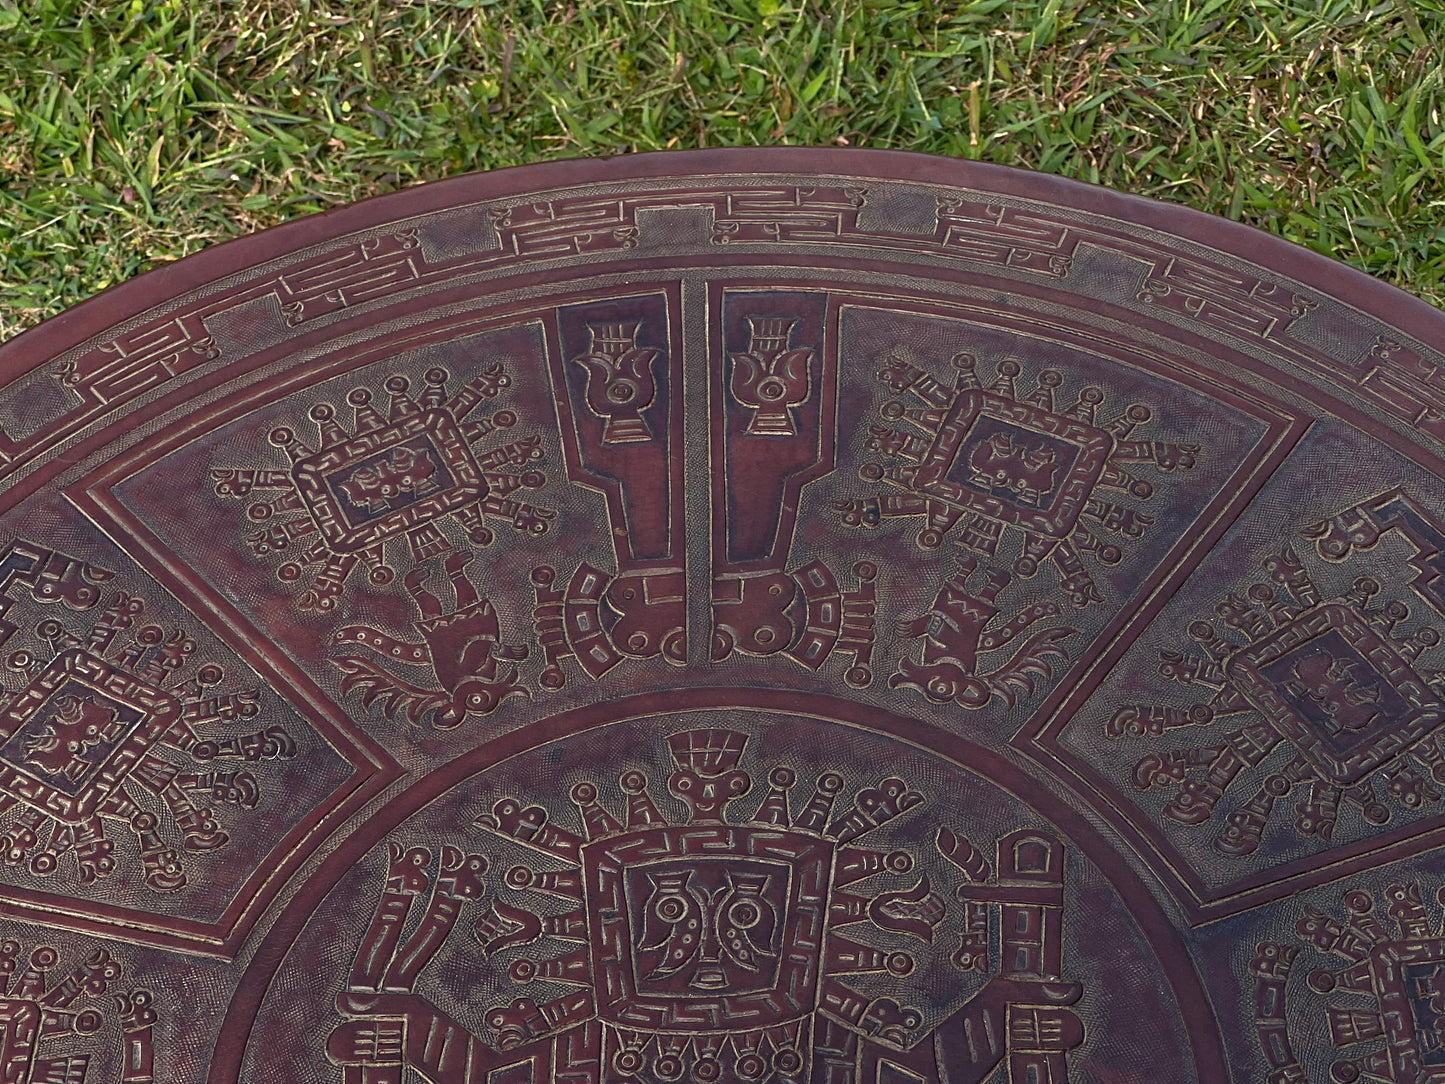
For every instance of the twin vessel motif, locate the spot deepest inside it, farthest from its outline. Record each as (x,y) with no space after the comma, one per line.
(986,466)
(817,507)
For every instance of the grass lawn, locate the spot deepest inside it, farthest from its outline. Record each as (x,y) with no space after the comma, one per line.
(134,132)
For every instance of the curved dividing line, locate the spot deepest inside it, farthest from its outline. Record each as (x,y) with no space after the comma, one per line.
(1164,939)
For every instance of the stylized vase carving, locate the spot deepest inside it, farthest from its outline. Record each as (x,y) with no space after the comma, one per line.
(770,378)
(619,381)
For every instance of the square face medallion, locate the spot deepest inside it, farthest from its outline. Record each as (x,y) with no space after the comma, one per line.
(380,484)
(700,930)
(71,737)
(1338,690)
(1409,977)
(1015,463)
(692,927)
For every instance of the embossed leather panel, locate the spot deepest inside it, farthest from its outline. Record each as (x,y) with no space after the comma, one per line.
(760,616)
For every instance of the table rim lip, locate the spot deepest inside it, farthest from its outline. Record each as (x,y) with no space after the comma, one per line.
(68,329)
(39,345)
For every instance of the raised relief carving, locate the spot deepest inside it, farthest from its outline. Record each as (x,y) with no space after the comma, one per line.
(715,949)
(620,386)
(620,393)
(1380,973)
(771,377)
(1321,674)
(773,433)
(960,628)
(969,229)
(392,476)
(806,616)
(472,672)
(47,1021)
(978,462)
(110,723)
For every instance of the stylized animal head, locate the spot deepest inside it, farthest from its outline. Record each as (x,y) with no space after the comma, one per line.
(942,682)
(78,725)
(478,696)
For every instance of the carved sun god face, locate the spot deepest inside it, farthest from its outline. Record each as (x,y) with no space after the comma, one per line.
(694,925)
(1016,462)
(66,743)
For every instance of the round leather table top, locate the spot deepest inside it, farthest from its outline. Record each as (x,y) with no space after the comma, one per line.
(742,616)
